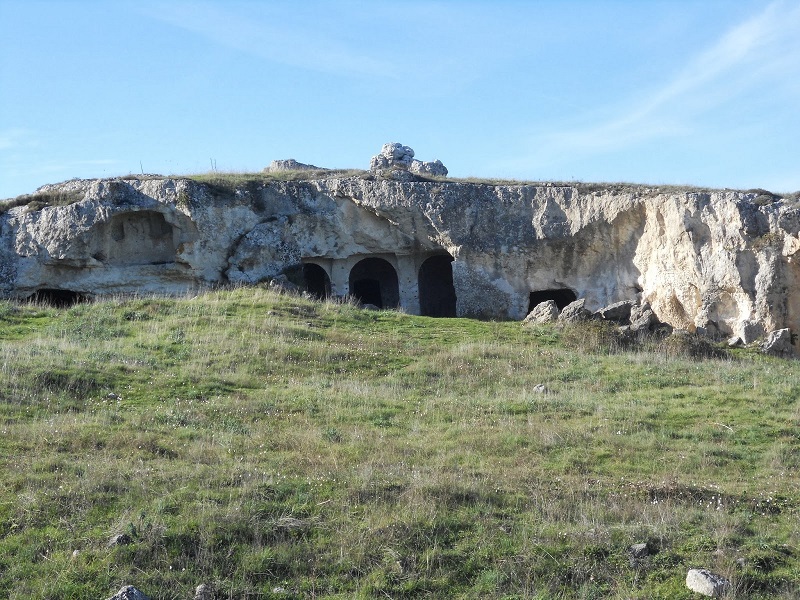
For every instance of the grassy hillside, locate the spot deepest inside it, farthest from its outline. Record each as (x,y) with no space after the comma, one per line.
(279,448)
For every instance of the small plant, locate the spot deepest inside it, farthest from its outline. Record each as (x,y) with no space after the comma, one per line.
(596,336)
(771,239)
(682,344)
(763,197)
(184,200)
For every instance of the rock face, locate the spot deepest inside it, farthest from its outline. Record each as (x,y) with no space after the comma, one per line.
(778,343)
(710,261)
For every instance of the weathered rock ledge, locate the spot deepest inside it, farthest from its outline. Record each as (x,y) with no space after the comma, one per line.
(723,262)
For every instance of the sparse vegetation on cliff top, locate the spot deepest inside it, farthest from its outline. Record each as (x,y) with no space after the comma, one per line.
(278,447)
(227,182)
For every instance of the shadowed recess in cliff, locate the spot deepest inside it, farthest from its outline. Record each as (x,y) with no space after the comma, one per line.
(58,298)
(316,281)
(374,281)
(136,238)
(562,297)
(437,295)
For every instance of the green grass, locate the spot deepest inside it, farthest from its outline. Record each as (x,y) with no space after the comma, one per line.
(277,447)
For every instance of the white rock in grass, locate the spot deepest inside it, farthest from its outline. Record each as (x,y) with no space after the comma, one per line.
(129,593)
(204,592)
(121,539)
(707,583)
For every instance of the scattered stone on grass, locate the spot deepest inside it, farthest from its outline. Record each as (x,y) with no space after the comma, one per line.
(637,555)
(121,539)
(643,318)
(706,583)
(544,312)
(204,591)
(575,312)
(129,593)
(619,312)
(735,342)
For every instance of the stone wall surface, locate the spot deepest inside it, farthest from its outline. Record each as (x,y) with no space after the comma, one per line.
(708,260)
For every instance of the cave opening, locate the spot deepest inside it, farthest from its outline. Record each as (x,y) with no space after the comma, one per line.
(437,295)
(316,280)
(374,281)
(57,298)
(561,296)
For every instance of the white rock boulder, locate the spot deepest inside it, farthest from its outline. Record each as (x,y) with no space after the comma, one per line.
(703,581)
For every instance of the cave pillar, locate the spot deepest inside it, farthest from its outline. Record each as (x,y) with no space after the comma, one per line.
(409,283)
(340,277)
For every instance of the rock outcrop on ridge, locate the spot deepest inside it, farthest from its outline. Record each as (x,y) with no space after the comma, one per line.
(396,156)
(290,164)
(718,261)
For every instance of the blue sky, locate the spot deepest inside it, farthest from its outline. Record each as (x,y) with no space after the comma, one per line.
(673,91)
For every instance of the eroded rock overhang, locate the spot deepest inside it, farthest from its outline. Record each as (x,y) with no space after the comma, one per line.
(709,260)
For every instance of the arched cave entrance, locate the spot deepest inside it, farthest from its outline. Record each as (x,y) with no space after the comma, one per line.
(561,296)
(57,298)
(374,281)
(316,280)
(437,295)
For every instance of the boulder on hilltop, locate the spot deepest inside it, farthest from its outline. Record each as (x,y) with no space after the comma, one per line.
(290,164)
(395,156)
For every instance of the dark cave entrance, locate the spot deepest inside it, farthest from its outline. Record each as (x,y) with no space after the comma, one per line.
(374,281)
(316,280)
(57,298)
(437,295)
(561,297)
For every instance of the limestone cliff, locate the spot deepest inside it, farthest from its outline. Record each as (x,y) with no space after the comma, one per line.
(715,260)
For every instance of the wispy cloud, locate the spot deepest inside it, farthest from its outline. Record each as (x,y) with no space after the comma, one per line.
(761,53)
(16,138)
(268,33)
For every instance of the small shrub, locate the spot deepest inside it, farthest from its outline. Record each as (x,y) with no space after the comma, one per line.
(773,239)
(41,200)
(597,337)
(686,345)
(763,197)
